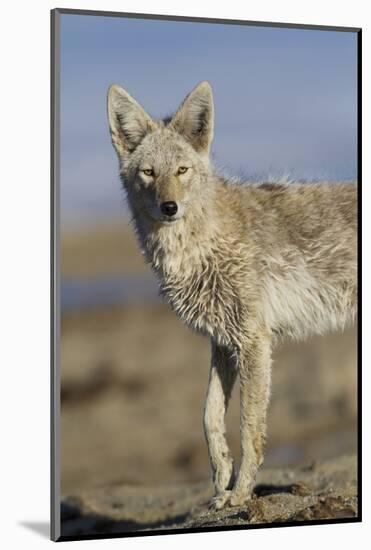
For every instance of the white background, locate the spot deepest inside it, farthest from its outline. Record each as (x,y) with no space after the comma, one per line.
(24,246)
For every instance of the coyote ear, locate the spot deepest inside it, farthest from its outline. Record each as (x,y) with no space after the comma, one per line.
(195,118)
(129,122)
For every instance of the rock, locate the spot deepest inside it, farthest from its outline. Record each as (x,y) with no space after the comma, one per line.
(322,491)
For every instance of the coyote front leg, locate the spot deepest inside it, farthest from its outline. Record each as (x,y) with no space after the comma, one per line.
(255,380)
(223,373)
(254,367)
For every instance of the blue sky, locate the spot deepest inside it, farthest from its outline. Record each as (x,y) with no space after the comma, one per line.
(285,99)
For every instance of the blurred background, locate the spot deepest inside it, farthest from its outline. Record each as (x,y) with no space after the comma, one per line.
(133,377)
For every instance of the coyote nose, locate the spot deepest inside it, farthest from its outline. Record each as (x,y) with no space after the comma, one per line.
(169,208)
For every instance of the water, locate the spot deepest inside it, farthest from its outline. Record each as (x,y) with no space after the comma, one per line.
(108,291)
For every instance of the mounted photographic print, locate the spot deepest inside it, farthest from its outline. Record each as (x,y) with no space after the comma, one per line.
(205,190)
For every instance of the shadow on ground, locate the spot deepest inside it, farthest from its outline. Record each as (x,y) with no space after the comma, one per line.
(42,528)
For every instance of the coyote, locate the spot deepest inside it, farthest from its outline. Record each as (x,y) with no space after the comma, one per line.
(246,264)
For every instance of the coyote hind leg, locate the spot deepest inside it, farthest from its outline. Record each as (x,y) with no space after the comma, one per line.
(223,374)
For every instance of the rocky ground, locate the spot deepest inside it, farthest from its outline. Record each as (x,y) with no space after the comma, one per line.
(319,491)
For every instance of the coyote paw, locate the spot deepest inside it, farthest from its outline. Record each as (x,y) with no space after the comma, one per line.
(220,500)
(238,499)
(229,498)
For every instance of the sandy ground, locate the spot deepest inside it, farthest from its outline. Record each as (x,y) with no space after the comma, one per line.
(134,381)
(313,492)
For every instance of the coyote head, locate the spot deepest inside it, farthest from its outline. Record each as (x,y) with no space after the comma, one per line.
(164,164)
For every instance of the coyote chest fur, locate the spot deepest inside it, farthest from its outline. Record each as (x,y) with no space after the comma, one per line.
(202,285)
(244,264)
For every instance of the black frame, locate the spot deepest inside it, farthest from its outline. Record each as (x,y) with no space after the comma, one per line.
(55,519)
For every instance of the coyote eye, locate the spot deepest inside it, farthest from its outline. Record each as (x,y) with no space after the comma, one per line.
(182,169)
(148,172)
